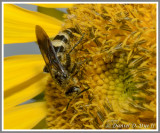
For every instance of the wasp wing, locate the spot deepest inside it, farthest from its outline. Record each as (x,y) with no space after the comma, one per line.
(48,52)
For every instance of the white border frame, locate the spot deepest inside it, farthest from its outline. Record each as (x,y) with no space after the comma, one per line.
(69,130)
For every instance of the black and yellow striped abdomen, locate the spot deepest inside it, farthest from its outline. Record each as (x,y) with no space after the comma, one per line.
(62,40)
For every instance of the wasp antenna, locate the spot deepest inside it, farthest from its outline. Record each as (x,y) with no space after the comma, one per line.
(68,104)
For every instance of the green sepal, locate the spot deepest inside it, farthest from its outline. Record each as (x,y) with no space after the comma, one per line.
(41,125)
(39,97)
(51,12)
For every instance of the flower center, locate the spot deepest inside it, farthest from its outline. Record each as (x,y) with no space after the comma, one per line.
(118,63)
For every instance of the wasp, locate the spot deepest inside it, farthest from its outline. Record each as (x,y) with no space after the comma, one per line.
(53,53)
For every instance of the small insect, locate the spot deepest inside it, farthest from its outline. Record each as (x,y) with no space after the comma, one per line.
(53,54)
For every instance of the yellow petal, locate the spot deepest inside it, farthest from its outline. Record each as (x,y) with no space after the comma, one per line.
(20,68)
(57,5)
(24,91)
(23,79)
(24,116)
(19,24)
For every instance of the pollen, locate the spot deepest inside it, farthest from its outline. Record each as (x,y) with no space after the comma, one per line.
(118,64)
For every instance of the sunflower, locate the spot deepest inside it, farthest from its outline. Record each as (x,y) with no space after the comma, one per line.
(117,58)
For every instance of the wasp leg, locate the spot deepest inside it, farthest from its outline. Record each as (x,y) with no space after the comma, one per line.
(77,67)
(68,61)
(77,43)
(74,68)
(45,69)
(68,104)
(84,90)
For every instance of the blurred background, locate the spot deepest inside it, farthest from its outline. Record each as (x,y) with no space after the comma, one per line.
(24,48)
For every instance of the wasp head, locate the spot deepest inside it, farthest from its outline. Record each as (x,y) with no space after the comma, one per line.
(72,91)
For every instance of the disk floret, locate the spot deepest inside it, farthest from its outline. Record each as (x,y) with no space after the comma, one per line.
(118,64)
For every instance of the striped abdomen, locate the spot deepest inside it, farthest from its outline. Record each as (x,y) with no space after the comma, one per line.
(62,40)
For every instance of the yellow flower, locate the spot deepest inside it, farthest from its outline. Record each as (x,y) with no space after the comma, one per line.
(118,64)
